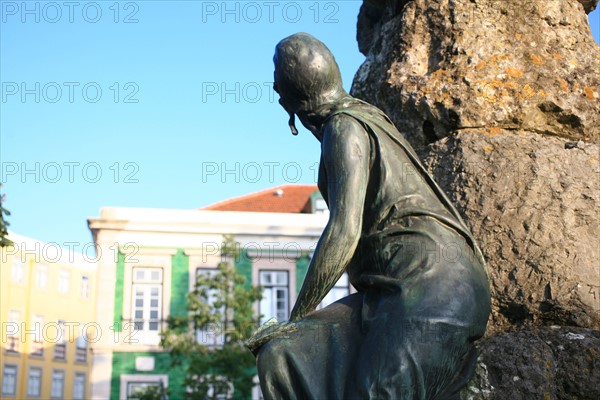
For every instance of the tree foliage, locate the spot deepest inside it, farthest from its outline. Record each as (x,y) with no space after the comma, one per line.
(208,342)
(4,241)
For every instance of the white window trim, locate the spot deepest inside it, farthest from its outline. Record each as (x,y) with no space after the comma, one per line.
(62,387)
(37,324)
(64,281)
(83,396)
(273,301)
(84,289)
(41,270)
(327,301)
(150,259)
(13,339)
(145,378)
(17,271)
(39,387)
(146,334)
(277,264)
(15,382)
(205,336)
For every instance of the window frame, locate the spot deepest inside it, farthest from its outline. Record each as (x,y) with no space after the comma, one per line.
(39,382)
(125,379)
(64,281)
(84,287)
(81,351)
(264,317)
(202,334)
(37,344)
(41,276)
(330,298)
(62,384)
(146,285)
(60,346)
(12,345)
(75,382)
(17,274)
(15,379)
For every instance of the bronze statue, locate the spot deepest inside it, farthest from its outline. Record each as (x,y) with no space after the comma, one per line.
(423,294)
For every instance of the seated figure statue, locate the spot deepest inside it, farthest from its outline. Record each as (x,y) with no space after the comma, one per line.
(422,290)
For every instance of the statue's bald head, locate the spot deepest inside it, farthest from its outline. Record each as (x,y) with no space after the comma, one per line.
(306,72)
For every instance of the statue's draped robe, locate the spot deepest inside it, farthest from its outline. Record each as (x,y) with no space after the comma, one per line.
(422,299)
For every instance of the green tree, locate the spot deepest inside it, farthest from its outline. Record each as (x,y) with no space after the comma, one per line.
(4,241)
(220,306)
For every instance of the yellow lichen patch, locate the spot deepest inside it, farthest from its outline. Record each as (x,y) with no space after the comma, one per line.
(490,98)
(589,93)
(480,65)
(502,57)
(514,72)
(563,85)
(541,93)
(556,56)
(436,75)
(494,131)
(518,36)
(537,59)
(573,63)
(528,91)
(510,84)
(576,86)
(488,149)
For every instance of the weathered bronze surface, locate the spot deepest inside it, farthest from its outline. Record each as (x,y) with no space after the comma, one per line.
(423,294)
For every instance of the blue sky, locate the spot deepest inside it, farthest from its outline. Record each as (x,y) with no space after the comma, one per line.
(163,104)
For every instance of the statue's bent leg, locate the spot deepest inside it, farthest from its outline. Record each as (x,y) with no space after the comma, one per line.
(314,362)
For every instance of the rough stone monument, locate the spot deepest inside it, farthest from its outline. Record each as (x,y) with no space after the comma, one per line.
(501,101)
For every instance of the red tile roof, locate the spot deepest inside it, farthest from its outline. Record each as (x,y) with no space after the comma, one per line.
(280,199)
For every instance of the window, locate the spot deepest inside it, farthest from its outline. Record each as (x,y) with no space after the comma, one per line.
(9,380)
(12,331)
(81,348)
(275,301)
(17,271)
(213,335)
(41,276)
(79,386)
(60,346)
(132,385)
(217,387)
(340,290)
(147,302)
(58,384)
(85,287)
(34,382)
(134,389)
(63,281)
(318,204)
(37,346)
(256,392)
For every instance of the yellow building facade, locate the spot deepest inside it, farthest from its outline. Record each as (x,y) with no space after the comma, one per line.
(47,309)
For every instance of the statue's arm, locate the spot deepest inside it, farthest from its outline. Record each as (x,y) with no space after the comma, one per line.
(345,154)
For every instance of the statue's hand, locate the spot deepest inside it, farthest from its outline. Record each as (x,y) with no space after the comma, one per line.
(268,331)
